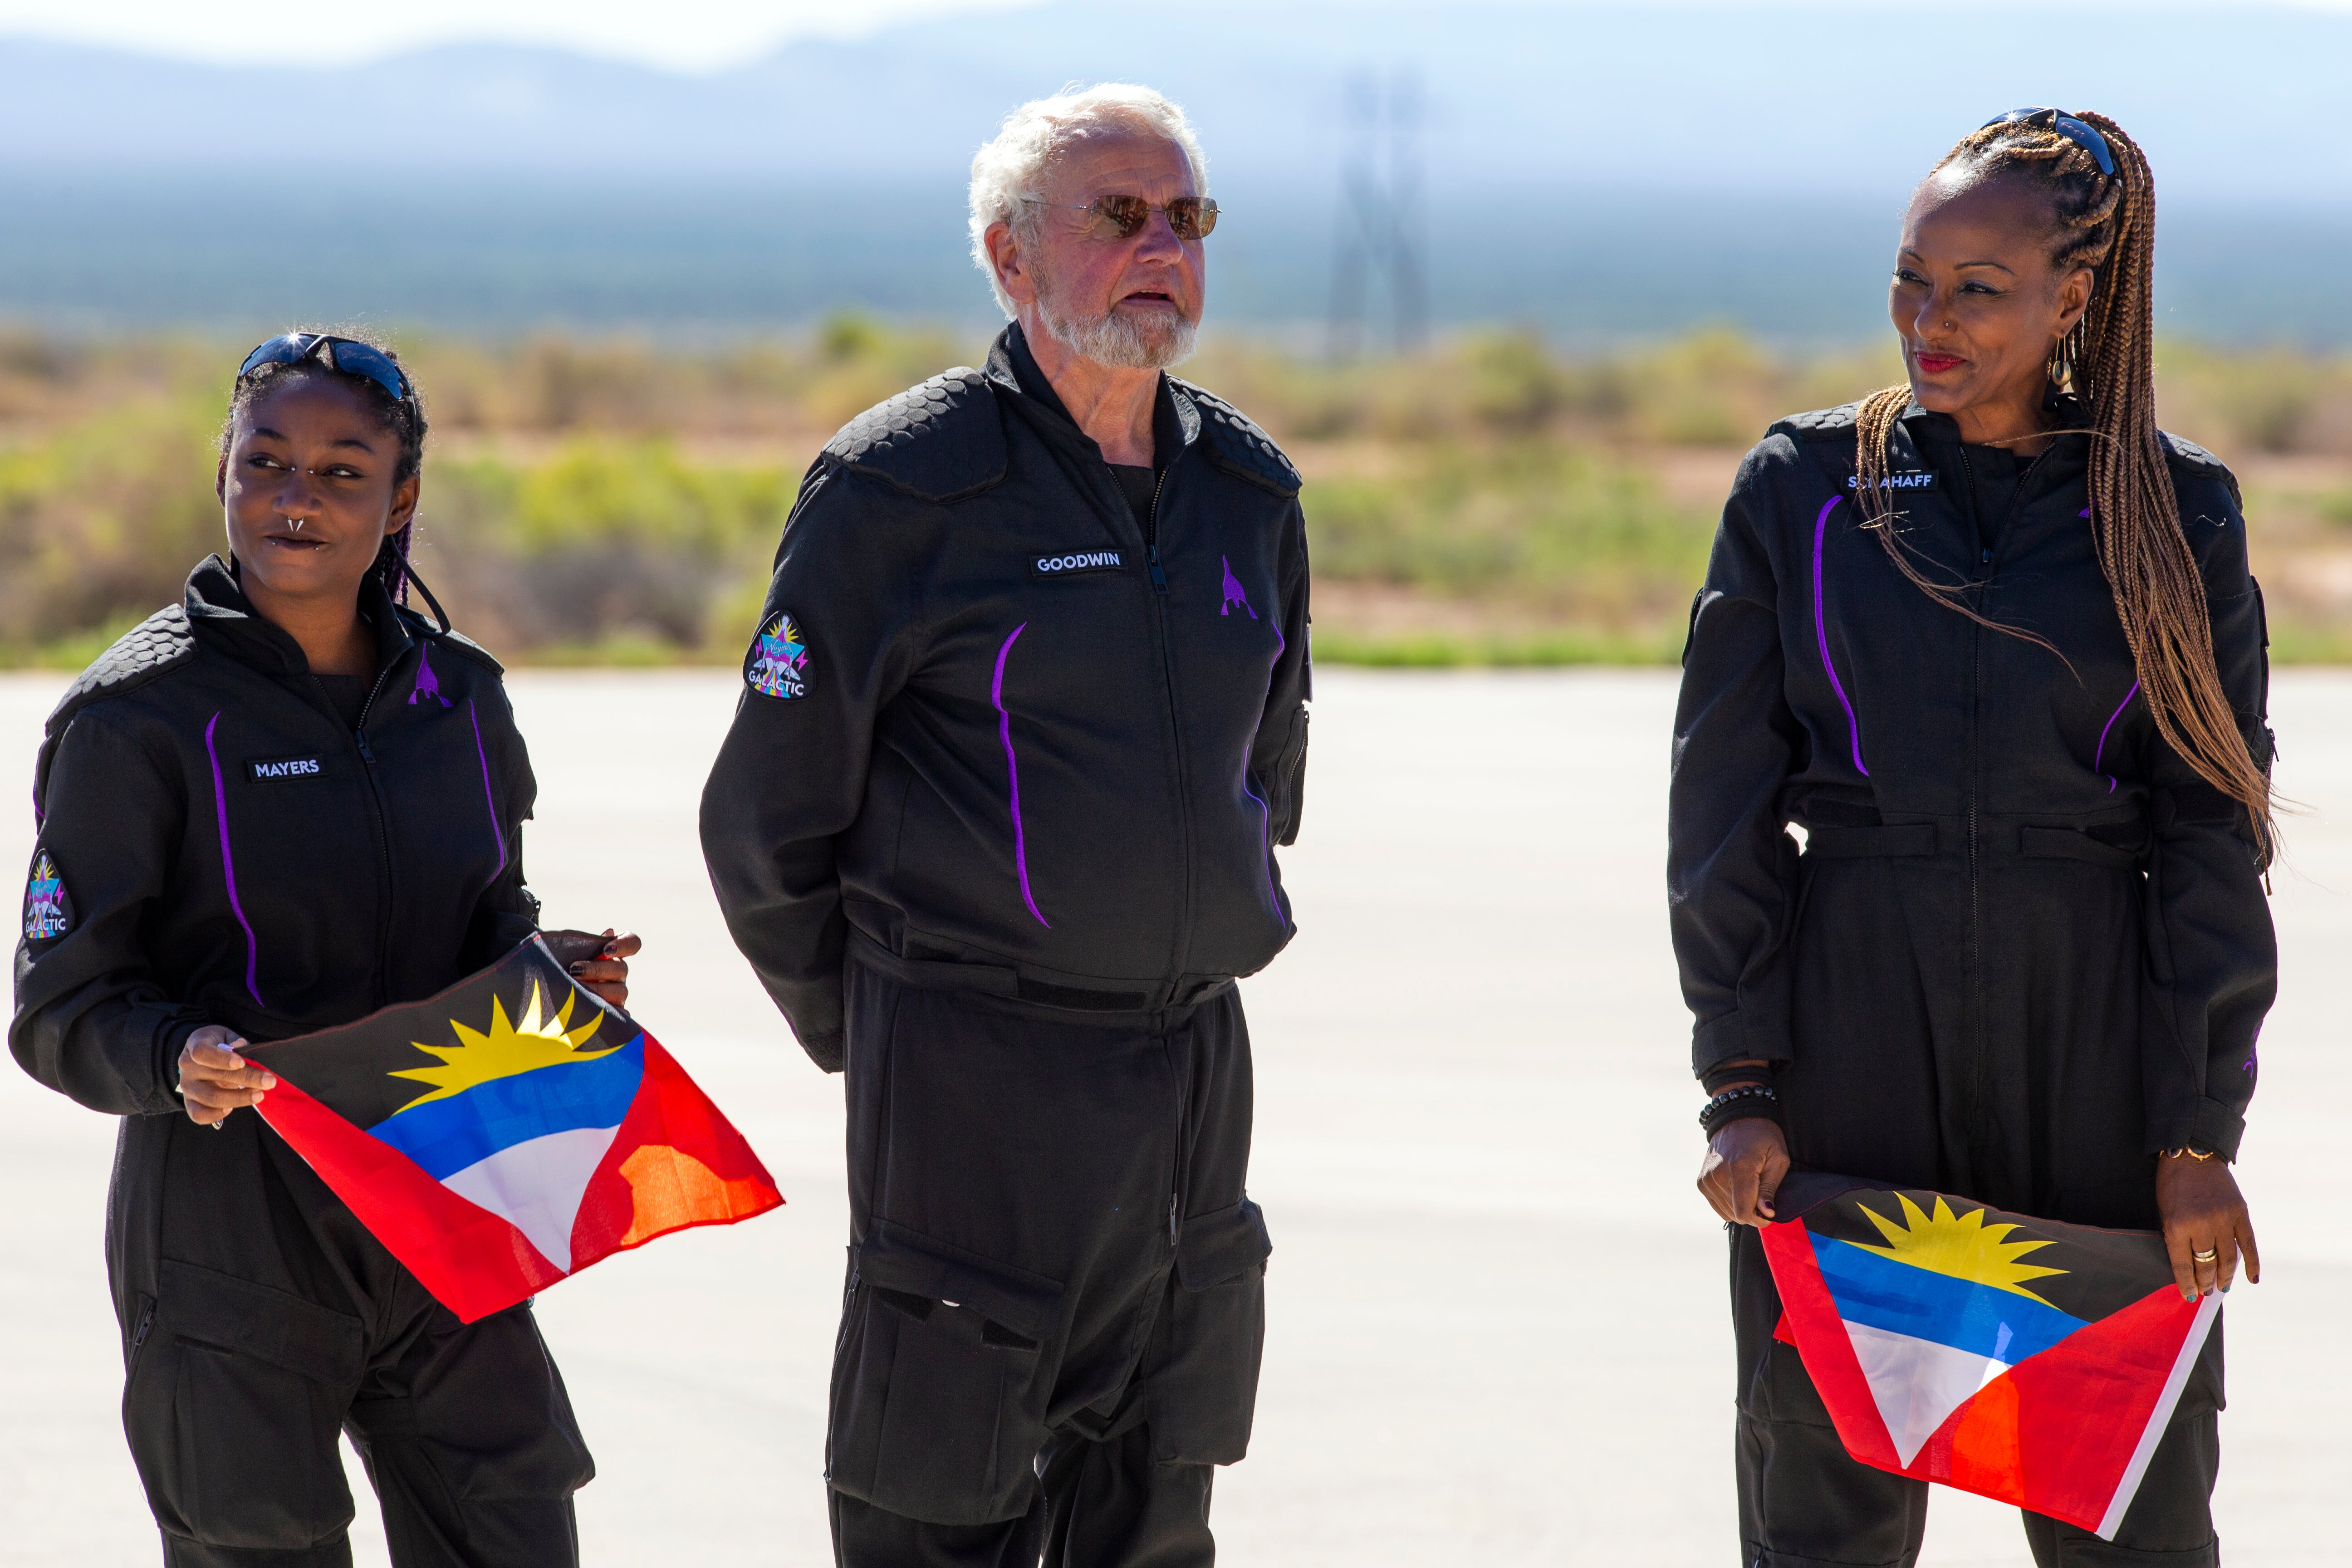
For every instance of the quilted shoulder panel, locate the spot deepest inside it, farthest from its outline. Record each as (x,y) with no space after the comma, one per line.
(2189,454)
(150,649)
(459,643)
(1820,424)
(2190,457)
(1239,444)
(941,441)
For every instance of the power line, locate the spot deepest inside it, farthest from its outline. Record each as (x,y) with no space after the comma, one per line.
(1380,215)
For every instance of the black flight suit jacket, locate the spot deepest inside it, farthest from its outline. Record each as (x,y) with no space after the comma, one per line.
(2026,946)
(227,851)
(994,721)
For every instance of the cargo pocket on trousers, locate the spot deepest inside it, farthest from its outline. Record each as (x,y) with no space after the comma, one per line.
(940,1380)
(1211,1340)
(233,1407)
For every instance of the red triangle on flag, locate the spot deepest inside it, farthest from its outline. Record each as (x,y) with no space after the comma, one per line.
(2058,1432)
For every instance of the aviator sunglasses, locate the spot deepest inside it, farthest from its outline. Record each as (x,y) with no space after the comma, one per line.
(2066,125)
(1123,217)
(343,354)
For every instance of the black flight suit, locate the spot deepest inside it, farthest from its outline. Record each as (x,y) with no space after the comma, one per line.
(2025,946)
(995,826)
(233,850)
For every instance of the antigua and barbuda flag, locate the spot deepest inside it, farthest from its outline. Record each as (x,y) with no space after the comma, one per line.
(2028,1361)
(509,1132)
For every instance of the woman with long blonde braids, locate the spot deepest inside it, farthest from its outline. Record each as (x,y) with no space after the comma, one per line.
(1990,640)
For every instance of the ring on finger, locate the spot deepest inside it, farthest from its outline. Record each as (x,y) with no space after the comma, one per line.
(2208,1256)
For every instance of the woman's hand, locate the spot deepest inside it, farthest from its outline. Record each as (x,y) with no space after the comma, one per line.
(2203,1212)
(608,975)
(1745,1161)
(215,1080)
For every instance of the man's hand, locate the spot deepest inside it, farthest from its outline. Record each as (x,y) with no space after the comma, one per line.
(1745,1161)
(608,975)
(2203,1212)
(215,1080)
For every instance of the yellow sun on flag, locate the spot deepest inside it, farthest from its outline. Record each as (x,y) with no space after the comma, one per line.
(1961,1246)
(534,1040)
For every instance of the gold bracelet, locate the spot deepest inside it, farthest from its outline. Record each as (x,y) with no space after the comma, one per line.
(2198,1154)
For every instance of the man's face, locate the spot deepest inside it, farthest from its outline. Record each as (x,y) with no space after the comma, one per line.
(1132,302)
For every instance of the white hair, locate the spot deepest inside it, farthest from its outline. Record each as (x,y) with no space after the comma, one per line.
(1011,170)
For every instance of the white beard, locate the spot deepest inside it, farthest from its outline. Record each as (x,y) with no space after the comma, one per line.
(1121,342)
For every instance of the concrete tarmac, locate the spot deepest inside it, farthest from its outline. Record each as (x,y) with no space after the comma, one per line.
(1497,1331)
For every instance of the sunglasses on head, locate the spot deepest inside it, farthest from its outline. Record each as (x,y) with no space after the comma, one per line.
(343,354)
(1123,217)
(2066,125)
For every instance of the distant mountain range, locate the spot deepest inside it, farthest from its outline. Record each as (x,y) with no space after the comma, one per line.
(1590,169)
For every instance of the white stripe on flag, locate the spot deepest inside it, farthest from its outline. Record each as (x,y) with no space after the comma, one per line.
(2161,1416)
(1917,1383)
(536,1185)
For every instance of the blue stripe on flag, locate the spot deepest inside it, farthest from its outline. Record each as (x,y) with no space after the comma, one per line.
(445,1136)
(1880,1293)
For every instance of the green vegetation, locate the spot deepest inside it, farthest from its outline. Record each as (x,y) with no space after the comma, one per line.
(1493,502)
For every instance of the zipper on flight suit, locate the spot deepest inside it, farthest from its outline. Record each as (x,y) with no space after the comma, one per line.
(383,828)
(1979,581)
(1151,533)
(1973,948)
(1162,632)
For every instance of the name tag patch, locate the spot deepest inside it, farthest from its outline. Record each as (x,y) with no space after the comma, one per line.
(48,914)
(1077,563)
(279,770)
(1907,479)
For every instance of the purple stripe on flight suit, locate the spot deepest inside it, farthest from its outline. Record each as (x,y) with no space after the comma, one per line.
(1013,773)
(228,867)
(2101,752)
(1821,632)
(497,834)
(1273,900)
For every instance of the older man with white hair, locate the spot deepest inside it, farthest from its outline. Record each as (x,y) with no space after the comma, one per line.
(1026,719)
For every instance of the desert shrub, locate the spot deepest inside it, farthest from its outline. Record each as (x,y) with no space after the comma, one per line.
(604,540)
(620,497)
(103,519)
(1560,528)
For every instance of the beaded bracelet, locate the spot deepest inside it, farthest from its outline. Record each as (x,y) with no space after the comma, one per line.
(1738,1105)
(1716,1079)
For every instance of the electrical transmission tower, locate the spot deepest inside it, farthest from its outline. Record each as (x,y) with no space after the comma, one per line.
(1380,223)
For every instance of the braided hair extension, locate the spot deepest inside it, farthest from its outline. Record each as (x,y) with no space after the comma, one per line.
(404,420)
(2107,222)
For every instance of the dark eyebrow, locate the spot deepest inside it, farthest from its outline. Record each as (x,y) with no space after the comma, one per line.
(1962,266)
(352,441)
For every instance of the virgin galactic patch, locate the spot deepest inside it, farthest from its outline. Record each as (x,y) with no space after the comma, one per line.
(48,914)
(778,663)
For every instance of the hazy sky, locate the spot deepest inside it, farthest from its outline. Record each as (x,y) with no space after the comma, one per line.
(685,34)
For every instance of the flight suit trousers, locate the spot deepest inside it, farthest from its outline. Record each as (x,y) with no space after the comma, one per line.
(1056,1298)
(260,1321)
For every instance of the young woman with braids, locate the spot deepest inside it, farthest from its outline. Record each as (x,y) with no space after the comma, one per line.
(275,808)
(1990,640)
